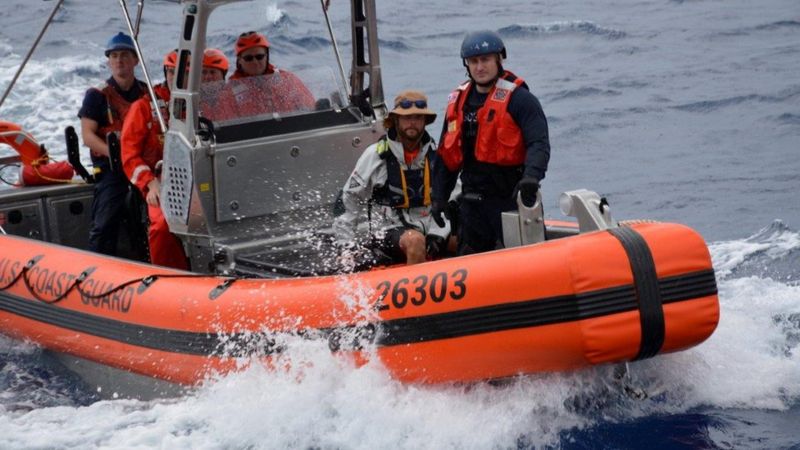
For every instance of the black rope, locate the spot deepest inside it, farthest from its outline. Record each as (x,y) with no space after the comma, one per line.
(75,284)
(146,281)
(31,262)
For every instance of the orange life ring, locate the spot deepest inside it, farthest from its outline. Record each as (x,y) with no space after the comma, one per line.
(37,169)
(29,150)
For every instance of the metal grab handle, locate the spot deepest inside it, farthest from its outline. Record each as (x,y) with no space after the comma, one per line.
(325,5)
(525,209)
(525,225)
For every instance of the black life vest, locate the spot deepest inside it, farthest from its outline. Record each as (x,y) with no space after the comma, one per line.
(407,188)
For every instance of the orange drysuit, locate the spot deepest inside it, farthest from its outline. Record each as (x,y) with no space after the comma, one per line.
(142,146)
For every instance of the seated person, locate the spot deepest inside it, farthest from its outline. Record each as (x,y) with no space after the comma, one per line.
(393,177)
(215,69)
(215,65)
(257,87)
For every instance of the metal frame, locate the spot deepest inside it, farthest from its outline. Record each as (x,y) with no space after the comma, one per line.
(213,191)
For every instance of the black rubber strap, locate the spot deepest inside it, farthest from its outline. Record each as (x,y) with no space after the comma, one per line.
(645,281)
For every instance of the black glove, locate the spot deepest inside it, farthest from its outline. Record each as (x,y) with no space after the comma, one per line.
(434,245)
(437,210)
(528,187)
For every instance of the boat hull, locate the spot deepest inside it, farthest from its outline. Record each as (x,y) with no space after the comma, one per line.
(595,298)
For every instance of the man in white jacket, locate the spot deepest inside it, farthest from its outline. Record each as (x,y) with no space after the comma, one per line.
(392,182)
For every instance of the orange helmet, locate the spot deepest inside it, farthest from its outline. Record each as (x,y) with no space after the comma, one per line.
(171,59)
(250,39)
(215,59)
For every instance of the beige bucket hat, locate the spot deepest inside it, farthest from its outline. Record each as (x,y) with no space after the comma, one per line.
(407,103)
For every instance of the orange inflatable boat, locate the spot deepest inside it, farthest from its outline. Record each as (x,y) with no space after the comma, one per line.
(619,295)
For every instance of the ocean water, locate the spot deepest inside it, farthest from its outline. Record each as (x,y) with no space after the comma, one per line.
(681,111)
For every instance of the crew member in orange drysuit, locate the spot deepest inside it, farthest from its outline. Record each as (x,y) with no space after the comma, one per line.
(257,87)
(142,146)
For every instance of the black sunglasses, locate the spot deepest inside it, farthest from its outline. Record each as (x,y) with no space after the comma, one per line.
(406,104)
(250,58)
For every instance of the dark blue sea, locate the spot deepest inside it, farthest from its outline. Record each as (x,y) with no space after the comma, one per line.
(682,111)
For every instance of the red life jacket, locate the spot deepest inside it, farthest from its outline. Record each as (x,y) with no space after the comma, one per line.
(162,92)
(499,140)
(117,109)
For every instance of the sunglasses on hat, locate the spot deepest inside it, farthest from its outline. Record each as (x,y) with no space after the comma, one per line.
(250,58)
(406,104)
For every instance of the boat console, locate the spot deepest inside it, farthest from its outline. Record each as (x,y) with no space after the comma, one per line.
(239,186)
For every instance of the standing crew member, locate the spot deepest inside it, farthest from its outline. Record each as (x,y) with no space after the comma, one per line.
(394,174)
(142,151)
(495,134)
(103,110)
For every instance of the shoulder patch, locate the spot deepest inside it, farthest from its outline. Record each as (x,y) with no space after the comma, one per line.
(500,94)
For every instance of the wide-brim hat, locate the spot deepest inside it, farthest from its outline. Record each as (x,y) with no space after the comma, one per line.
(408,103)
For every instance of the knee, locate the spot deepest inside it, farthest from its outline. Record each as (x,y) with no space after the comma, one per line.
(413,245)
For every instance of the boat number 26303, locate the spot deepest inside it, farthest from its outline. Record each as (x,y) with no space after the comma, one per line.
(437,287)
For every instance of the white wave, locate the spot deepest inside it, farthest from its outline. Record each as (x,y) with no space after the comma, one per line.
(749,362)
(561,26)
(774,242)
(47,96)
(5,50)
(320,400)
(274,14)
(9,345)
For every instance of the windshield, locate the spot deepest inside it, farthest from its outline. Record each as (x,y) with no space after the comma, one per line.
(281,93)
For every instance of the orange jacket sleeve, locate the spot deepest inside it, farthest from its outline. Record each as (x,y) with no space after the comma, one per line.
(135,132)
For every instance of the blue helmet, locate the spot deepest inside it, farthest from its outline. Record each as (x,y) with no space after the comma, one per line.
(482,43)
(120,41)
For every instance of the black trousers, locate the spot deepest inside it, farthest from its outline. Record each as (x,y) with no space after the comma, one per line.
(480,225)
(108,212)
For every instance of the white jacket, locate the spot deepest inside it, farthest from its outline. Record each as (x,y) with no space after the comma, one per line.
(370,172)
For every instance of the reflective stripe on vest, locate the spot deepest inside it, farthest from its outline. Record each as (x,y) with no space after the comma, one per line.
(499,140)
